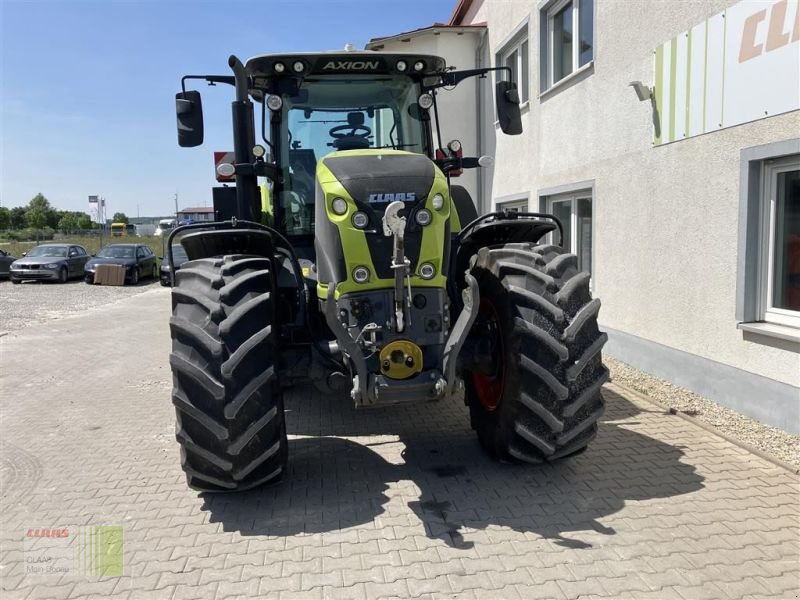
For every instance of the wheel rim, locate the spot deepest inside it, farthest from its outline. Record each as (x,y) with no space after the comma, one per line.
(489,387)
(63,275)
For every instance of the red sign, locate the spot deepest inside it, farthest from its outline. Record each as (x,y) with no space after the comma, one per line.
(223,157)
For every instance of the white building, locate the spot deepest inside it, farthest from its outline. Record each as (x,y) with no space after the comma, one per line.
(685,206)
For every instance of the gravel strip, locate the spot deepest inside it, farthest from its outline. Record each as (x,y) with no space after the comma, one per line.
(33,302)
(770,440)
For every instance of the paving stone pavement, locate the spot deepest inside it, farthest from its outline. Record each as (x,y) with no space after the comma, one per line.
(388,503)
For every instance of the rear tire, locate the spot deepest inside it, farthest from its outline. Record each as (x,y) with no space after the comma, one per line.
(230,420)
(543,400)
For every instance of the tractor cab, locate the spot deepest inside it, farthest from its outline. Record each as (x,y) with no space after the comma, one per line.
(314,105)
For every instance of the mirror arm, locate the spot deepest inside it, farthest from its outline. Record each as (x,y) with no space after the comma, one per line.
(453,78)
(211,79)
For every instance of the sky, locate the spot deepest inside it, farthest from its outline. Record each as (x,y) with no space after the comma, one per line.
(87,101)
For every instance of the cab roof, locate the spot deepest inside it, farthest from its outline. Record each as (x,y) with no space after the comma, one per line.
(361,62)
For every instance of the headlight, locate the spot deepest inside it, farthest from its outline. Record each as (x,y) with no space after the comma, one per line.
(419,65)
(274,103)
(401,65)
(279,67)
(423,217)
(361,274)
(427,271)
(425,101)
(52,265)
(339,206)
(298,66)
(437,201)
(360,220)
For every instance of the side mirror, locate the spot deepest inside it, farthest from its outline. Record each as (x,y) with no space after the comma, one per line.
(24,254)
(507,100)
(189,110)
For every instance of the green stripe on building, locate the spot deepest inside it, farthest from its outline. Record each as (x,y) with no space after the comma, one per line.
(658,91)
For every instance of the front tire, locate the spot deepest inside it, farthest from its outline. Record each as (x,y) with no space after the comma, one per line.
(135,276)
(541,400)
(154,272)
(230,420)
(63,275)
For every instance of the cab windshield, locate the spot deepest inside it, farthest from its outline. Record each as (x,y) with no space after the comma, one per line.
(331,114)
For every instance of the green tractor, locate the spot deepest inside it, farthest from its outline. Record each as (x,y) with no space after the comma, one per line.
(357,265)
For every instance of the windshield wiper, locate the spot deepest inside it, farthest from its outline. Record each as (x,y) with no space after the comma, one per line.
(395,146)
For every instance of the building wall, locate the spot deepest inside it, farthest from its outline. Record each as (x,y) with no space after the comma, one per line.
(665,219)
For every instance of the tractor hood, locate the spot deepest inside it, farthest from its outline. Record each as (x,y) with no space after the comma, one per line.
(369,180)
(375,179)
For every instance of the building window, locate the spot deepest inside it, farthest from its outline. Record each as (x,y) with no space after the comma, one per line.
(574,210)
(568,40)
(514,55)
(779,276)
(513,206)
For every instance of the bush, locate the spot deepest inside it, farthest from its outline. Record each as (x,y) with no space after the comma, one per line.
(30,234)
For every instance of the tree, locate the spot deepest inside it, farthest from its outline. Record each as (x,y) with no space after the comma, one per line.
(119,218)
(5,218)
(84,220)
(68,222)
(43,210)
(39,201)
(36,218)
(18,217)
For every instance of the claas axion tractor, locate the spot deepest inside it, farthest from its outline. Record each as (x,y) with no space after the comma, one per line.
(352,261)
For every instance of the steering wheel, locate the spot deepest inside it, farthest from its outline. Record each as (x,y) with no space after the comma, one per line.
(355,131)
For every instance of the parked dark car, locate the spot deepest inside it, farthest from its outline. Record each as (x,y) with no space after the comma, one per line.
(56,262)
(179,256)
(139,262)
(5,263)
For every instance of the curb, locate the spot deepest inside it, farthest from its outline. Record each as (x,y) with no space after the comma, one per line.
(710,428)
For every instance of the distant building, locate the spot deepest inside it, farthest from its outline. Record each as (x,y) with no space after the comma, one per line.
(196,213)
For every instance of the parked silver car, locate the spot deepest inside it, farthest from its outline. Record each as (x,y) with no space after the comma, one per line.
(56,262)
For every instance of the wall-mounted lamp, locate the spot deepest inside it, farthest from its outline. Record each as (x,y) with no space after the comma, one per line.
(642,91)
